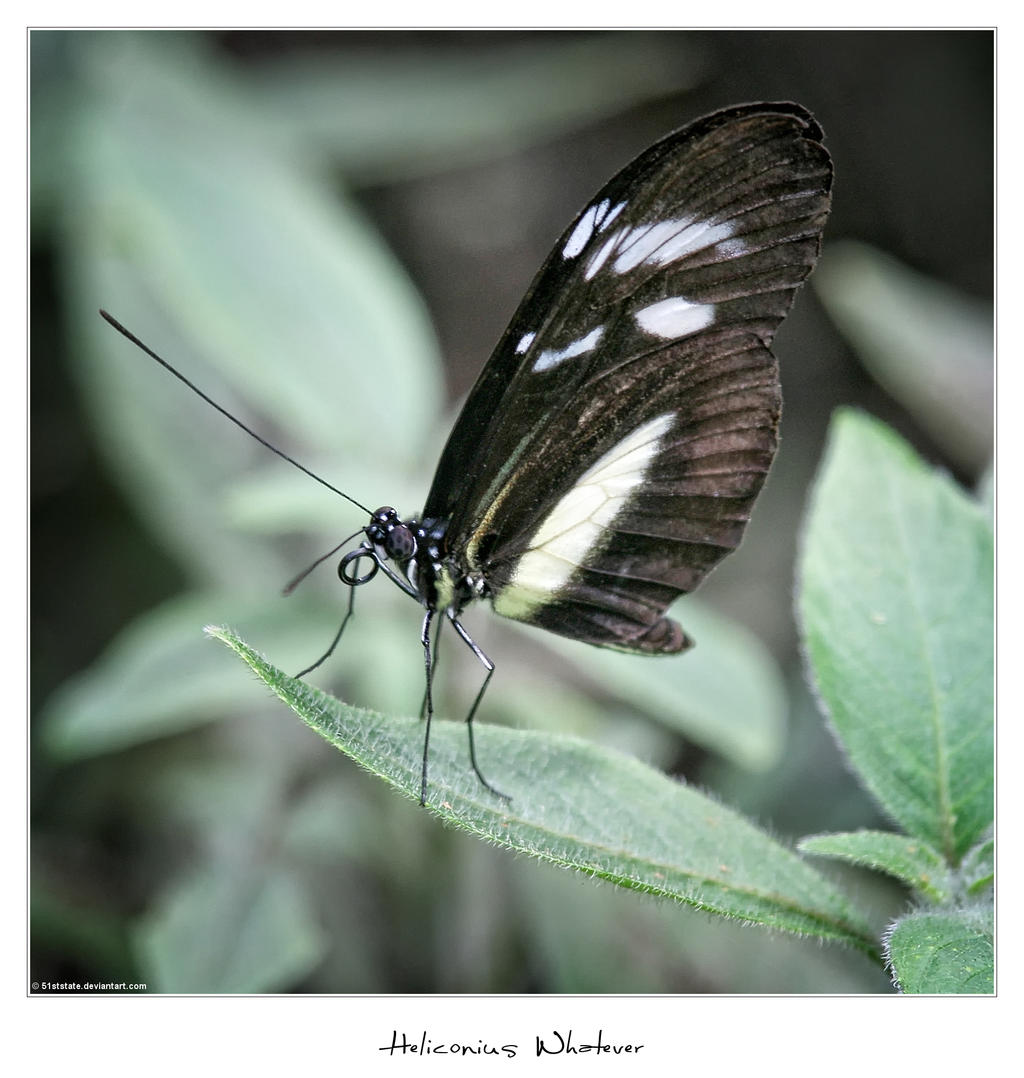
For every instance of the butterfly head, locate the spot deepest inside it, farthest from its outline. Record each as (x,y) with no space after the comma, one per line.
(391,536)
(413,547)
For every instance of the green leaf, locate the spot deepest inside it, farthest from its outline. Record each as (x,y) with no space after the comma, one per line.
(586,808)
(910,860)
(896,609)
(231,928)
(979,867)
(943,952)
(928,346)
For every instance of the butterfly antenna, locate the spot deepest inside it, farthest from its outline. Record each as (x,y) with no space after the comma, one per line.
(223,411)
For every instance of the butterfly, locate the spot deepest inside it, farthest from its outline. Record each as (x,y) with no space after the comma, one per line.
(610,452)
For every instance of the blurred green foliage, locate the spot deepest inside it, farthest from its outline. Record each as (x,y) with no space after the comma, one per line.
(183,826)
(929,346)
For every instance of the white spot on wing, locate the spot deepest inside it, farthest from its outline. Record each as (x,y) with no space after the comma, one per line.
(594,219)
(638,244)
(578,524)
(669,241)
(695,237)
(675,317)
(610,216)
(551,357)
(584,229)
(601,257)
(524,343)
(663,242)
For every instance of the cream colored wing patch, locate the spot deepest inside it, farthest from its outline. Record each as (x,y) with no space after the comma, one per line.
(578,523)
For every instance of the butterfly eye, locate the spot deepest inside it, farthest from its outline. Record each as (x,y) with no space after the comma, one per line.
(400,543)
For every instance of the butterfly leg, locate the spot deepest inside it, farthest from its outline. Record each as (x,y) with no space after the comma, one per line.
(489,667)
(337,636)
(428,700)
(437,654)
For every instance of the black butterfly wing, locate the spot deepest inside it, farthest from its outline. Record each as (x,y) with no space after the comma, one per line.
(611,450)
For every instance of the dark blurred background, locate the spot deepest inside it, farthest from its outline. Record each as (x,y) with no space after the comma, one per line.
(329,232)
